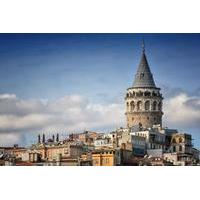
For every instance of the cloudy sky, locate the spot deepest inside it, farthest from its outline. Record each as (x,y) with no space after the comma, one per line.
(67,83)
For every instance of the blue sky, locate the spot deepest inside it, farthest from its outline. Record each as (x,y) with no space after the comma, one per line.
(52,65)
(97,66)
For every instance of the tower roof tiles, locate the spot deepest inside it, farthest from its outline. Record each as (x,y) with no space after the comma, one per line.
(144,77)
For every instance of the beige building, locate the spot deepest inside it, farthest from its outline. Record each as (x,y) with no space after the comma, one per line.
(87,137)
(57,151)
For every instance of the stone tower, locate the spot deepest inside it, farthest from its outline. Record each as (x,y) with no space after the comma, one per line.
(143,99)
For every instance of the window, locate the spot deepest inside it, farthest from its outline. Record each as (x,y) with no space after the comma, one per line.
(132,105)
(147,94)
(147,105)
(174,148)
(180,148)
(141,75)
(139,105)
(154,105)
(107,160)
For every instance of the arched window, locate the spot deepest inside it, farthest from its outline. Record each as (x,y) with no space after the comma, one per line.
(132,105)
(154,105)
(140,93)
(147,94)
(127,95)
(127,105)
(147,105)
(159,106)
(139,105)
(133,94)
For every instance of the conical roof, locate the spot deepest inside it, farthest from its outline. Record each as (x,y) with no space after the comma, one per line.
(144,77)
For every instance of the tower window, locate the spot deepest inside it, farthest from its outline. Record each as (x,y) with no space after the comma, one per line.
(154,105)
(141,75)
(147,93)
(132,118)
(147,118)
(147,105)
(127,104)
(132,105)
(139,105)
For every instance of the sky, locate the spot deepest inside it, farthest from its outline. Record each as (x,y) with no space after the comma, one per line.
(68,83)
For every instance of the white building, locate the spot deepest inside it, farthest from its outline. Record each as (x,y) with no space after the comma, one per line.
(154,139)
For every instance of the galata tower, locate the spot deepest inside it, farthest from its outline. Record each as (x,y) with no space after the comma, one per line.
(143,99)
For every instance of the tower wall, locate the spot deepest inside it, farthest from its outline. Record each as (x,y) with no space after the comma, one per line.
(143,106)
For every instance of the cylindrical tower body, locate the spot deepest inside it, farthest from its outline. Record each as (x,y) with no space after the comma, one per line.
(143,106)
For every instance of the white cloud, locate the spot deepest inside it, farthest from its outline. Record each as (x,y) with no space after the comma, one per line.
(183,111)
(19,117)
(70,113)
(7,96)
(9,139)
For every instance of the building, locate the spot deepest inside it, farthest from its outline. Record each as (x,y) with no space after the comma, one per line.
(103,142)
(181,143)
(138,145)
(100,157)
(124,141)
(154,139)
(87,137)
(180,150)
(143,100)
(105,157)
(52,151)
(195,155)
(15,151)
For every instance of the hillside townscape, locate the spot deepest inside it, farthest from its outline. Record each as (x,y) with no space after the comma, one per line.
(143,142)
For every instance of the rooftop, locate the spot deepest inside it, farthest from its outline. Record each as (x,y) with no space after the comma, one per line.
(144,77)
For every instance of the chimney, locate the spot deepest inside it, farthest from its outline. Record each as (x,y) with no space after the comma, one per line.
(39,140)
(57,137)
(43,138)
